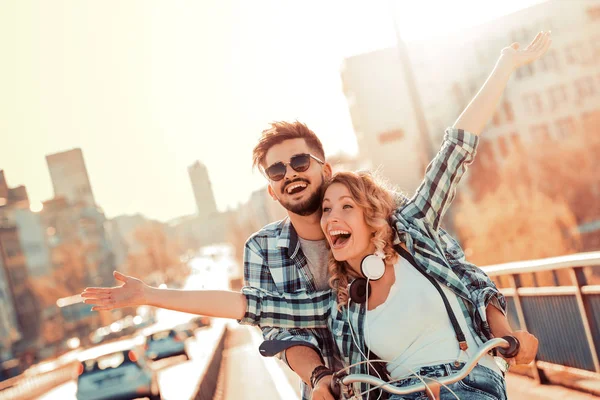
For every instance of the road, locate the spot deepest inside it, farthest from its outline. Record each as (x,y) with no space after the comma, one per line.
(245,374)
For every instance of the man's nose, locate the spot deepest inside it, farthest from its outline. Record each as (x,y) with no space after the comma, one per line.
(290,173)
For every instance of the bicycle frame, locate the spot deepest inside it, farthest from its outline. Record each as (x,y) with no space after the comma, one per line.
(347,380)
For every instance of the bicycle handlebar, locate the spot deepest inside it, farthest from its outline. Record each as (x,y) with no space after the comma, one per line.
(509,347)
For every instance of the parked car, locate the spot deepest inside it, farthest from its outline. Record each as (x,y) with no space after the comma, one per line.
(187,329)
(166,343)
(201,321)
(116,371)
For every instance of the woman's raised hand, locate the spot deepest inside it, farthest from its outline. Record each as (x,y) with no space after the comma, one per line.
(534,51)
(131,293)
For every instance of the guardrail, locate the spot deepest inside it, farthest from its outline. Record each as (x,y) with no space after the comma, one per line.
(30,387)
(558,300)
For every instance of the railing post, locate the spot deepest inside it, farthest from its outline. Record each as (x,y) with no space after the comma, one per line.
(578,281)
(538,375)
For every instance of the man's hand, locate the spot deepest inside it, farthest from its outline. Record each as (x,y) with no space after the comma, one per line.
(131,293)
(321,391)
(536,49)
(528,349)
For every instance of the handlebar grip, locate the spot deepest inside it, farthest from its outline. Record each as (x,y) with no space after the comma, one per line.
(335,387)
(513,348)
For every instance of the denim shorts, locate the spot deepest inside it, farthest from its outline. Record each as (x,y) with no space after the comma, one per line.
(481,384)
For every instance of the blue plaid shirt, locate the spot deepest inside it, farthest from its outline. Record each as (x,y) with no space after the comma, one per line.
(295,304)
(274,263)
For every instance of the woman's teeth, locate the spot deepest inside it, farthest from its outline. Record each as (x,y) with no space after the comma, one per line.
(339,237)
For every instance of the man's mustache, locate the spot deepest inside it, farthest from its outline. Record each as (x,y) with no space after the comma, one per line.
(294,181)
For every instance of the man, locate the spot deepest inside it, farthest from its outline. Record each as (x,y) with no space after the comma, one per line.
(292,255)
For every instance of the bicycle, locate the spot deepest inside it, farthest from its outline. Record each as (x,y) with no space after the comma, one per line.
(507,346)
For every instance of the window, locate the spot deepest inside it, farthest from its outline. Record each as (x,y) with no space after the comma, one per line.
(524,71)
(508,111)
(550,62)
(595,45)
(539,133)
(584,87)
(578,53)
(533,103)
(566,127)
(593,13)
(391,136)
(503,146)
(558,96)
(516,140)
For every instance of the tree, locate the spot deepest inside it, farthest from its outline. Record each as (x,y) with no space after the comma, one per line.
(70,266)
(156,254)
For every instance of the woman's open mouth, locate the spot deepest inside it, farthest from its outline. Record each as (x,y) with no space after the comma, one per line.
(339,238)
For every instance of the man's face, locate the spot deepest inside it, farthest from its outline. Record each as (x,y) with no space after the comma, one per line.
(297,192)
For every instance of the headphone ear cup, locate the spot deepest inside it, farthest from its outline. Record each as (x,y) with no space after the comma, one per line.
(372,267)
(357,290)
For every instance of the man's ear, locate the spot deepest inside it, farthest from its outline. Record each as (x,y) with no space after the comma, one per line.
(327,171)
(272,192)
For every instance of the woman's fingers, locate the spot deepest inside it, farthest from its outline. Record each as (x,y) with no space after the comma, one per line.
(534,41)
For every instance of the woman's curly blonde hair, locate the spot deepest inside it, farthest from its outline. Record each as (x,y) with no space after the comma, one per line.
(377,203)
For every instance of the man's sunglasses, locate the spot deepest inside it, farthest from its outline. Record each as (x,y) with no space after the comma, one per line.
(298,162)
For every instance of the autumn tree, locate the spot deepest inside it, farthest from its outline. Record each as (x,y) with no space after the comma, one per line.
(155,253)
(70,270)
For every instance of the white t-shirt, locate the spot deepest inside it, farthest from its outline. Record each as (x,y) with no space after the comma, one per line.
(412,329)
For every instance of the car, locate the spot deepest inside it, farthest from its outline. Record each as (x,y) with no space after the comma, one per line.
(117,370)
(165,343)
(187,329)
(201,321)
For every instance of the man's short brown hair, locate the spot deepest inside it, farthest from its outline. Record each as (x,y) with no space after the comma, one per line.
(281,131)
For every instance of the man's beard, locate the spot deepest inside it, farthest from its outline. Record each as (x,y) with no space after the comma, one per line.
(307,207)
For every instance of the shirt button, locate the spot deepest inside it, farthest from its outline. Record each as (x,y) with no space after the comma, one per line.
(448,284)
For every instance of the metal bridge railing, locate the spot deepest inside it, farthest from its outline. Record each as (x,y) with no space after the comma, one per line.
(558,300)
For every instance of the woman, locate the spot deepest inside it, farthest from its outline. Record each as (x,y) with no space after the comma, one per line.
(448,314)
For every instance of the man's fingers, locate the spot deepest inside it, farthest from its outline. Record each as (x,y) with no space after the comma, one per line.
(97,290)
(99,302)
(101,308)
(99,295)
(120,277)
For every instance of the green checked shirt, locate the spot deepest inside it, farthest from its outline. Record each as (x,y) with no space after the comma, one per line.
(296,306)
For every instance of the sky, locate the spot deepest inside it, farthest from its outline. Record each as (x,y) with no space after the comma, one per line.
(146,88)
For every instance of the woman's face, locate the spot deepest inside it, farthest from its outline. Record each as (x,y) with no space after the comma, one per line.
(343,223)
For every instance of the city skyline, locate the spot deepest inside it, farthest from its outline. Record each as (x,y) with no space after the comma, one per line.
(143,102)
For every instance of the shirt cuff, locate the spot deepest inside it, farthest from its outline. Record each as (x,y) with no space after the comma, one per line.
(253,309)
(467,140)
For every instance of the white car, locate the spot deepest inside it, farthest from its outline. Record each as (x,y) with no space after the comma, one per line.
(166,343)
(116,371)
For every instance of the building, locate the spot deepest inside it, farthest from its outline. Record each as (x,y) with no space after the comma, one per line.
(70,177)
(9,327)
(22,306)
(205,200)
(34,243)
(77,237)
(552,98)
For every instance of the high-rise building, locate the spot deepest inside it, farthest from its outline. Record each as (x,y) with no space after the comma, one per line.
(70,178)
(205,200)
